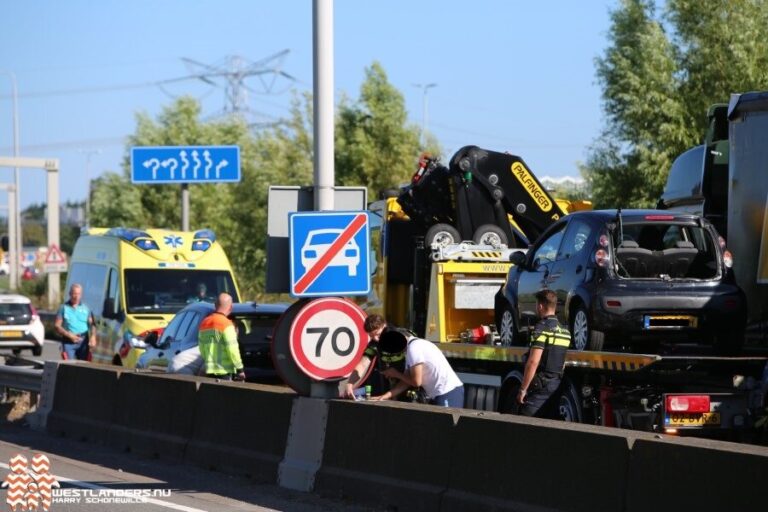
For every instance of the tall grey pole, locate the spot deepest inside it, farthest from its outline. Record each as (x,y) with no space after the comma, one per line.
(323,103)
(424,110)
(13,269)
(185,206)
(14,215)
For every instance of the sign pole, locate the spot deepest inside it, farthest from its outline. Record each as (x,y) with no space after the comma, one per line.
(323,103)
(185,207)
(54,283)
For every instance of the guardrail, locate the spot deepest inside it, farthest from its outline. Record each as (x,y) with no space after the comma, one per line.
(21,378)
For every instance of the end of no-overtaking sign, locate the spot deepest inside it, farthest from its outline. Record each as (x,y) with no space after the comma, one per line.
(329,253)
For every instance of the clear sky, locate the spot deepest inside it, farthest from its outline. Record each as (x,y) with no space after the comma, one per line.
(511,75)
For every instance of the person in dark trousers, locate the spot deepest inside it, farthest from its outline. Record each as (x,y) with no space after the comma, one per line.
(74,323)
(546,357)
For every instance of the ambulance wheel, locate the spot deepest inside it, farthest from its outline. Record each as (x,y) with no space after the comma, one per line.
(442,235)
(490,234)
(569,406)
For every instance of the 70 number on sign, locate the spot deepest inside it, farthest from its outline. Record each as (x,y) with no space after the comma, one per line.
(328,338)
(323,332)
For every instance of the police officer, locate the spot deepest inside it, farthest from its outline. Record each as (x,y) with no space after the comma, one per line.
(546,357)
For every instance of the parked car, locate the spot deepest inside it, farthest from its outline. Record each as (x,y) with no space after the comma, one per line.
(20,326)
(254,323)
(628,278)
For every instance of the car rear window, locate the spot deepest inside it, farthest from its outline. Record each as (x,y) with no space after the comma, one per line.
(665,250)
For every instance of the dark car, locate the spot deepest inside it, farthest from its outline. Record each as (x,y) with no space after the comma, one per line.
(254,323)
(630,278)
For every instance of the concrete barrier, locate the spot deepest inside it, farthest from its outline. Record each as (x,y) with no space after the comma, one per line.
(387,453)
(696,474)
(154,414)
(506,463)
(84,401)
(241,428)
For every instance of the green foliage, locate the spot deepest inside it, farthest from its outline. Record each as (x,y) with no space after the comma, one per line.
(375,145)
(657,87)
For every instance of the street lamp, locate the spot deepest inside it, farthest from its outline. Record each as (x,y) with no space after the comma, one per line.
(15,216)
(88,154)
(424,88)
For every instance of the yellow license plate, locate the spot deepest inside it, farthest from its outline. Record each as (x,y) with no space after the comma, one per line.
(10,334)
(700,419)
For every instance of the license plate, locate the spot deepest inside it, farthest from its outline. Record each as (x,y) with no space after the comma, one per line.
(670,322)
(10,334)
(700,419)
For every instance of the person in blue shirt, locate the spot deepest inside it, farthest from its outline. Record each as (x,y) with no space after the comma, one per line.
(74,323)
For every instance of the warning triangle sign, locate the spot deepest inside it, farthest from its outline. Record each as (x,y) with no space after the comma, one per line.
(54,255)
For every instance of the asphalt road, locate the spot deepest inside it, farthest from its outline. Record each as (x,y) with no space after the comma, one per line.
(89,475)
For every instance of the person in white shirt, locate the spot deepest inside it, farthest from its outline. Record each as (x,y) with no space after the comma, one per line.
(425,367)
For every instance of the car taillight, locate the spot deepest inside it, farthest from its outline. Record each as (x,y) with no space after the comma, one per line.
(604,240)
(659,217)
(687,403)
(613,303)
(601,258)
(727,259)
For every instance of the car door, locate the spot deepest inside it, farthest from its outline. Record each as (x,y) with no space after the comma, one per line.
(569,269)
(537,272)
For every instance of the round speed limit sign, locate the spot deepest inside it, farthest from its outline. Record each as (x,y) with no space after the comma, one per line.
(327,338)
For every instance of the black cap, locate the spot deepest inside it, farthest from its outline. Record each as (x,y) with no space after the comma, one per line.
(392,342)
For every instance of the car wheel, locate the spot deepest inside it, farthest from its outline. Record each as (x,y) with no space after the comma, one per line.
(442,235)
(490,234)
(569,406)
(583,337)
(506,324)
(37,351)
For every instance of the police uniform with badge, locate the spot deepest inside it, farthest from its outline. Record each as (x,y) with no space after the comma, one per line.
(553,340)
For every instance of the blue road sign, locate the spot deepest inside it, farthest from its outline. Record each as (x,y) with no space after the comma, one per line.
(185,164)
(329,253)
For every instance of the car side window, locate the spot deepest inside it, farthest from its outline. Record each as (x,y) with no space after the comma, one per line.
(547,251)
(575,239)
(169,334)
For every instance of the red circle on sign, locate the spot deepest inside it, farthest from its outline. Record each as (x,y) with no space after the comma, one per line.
(320,310)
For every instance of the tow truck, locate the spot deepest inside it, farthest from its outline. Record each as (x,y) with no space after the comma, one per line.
(432,281)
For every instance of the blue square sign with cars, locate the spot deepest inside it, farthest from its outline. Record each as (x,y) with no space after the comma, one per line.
(329,253)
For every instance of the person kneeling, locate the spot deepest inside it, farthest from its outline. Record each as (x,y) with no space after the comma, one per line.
(425,367)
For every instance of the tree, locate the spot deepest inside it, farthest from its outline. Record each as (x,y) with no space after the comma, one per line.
(657,88)
(644,130)
(375,145)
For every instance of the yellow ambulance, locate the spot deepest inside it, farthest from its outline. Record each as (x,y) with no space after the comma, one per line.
(135,280)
